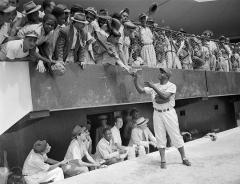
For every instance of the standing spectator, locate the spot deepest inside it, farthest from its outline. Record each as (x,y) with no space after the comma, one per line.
(38,168)
(66,12)
(184,54)
(71,42)
(148,52)
(76,151)
(5,17)
(47,6)
(31,10)
(76,8)
(129,28)
(92,28)
(16,16)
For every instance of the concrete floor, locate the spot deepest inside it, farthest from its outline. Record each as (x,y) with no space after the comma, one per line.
(213,162)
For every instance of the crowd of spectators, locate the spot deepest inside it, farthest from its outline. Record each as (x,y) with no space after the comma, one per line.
(53,35)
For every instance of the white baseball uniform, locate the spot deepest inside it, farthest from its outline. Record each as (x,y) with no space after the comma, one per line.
(165,117)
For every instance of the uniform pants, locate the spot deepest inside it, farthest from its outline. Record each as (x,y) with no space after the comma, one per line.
(167,122)
(55,175)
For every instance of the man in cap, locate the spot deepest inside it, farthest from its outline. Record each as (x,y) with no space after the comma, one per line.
(72,39)
(165,118)
(141,135)
(75,153)
(38,168)
(5,17)
(19,50)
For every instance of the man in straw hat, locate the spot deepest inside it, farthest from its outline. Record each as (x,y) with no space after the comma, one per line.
(141,135)
(31,10)
(38,168)
(165,118)
(76,151)
(71,42)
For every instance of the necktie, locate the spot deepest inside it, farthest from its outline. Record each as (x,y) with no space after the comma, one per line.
(77,45)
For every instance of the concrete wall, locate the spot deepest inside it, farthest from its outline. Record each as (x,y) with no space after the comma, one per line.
(57,127)
(15,93)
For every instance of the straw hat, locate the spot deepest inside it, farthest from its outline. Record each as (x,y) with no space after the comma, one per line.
(141,121)
(92,11)
(30,7)
(79,17)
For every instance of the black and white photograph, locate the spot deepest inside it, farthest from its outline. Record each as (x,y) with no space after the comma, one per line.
(119,92)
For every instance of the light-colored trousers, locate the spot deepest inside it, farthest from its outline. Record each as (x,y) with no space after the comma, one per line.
(167,122)
(55,175)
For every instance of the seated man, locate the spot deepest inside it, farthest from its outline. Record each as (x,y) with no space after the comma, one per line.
(105,149)
(76,151)
(141,135)
(37,168)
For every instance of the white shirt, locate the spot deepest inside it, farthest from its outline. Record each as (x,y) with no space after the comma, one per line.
(75,151)
(141,137)
(35,163)
(166,88)
(104,150)
(116,137)
(14,50)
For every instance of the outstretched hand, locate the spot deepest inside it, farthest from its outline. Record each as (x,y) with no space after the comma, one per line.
(149,84)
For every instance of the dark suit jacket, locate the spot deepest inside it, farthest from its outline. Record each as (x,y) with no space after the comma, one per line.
(64,44)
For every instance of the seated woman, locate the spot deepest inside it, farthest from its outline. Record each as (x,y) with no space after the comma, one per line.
(38,168)
(76,151)
(142,136)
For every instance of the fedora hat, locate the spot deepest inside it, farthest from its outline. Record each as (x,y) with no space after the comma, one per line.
(6,8)
(30,7)
(64,7)
(79,17)
(92,11)
(40,146)
(141,121)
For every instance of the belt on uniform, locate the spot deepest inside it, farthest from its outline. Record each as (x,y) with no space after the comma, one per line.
(162,110)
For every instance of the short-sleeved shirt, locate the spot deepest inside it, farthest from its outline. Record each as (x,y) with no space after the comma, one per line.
(35,163)
(13,50)
(116,137)
(166,88)
(75,151)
